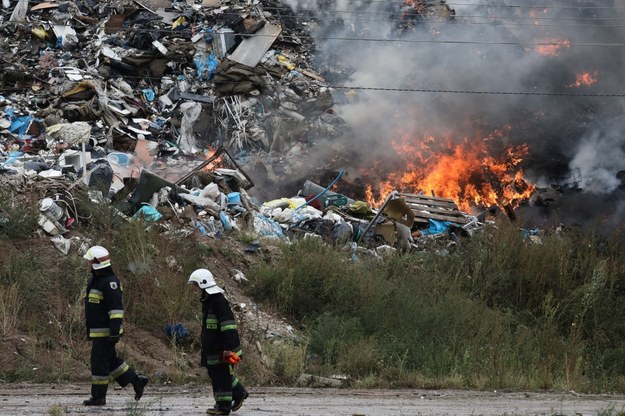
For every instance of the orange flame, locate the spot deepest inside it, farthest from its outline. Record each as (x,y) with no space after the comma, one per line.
(464,172)
(552,47)
(585,79)
(217,163)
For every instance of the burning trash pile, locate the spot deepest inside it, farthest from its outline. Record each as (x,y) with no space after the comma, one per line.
(198,113)
(126,100)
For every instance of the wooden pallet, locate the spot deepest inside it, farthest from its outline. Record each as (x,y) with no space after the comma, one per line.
(431,207)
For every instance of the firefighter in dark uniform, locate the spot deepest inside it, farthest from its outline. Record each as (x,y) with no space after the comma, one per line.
(221,348)
(104,314)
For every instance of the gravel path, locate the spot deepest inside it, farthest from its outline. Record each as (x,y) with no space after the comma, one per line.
(66,399)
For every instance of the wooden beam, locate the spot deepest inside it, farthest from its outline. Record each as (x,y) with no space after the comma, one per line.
(457,220)
(432,198)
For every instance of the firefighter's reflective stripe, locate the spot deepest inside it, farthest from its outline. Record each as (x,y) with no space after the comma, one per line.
(223,396)
(213,359)
(102,332)
(228,325)
(99,332)
(116,314)
(120,370)
(95,296)
(100,380)
(212,322)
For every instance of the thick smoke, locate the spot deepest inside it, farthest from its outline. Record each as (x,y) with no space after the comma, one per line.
(486,47)
(599,156)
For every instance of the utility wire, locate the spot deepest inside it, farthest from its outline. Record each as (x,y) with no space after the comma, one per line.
(478,4)
(457,20)
(518,6)
(429,19)
(391,40)
(529,93)
(408,90)
(399,13)
(430,16)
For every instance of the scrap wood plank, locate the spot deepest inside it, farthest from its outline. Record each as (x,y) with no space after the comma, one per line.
(420,215)
(252,49)
(433,207)
(426,197)
(424,200)
(312,75)
(433,204)
(435,210)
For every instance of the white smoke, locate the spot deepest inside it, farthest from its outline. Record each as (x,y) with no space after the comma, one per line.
(479,72)
(599,158)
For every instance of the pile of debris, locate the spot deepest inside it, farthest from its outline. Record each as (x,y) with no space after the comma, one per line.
(211,200)
(129,99)
(169,77)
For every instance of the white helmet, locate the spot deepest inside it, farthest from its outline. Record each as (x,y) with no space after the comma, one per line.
(98,256)
(205,280)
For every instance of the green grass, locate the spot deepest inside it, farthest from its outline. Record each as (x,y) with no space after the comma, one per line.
(56,410)
(502,312)
(499,312)
(18,218)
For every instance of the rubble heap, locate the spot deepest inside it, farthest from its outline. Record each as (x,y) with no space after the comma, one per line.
(161,107)
(183,76)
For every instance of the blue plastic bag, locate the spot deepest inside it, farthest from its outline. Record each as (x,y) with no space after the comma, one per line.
(176,331)
(205,67)
(148,94)
(436,227)
(225,220)
(148,213)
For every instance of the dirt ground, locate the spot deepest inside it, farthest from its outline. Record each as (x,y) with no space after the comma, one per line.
(21,399)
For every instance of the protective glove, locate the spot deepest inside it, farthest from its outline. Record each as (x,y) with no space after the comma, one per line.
(230,357)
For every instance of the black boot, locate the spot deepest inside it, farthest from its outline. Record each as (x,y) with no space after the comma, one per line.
(139,384)
(217,411)
(238,401)
(95,402)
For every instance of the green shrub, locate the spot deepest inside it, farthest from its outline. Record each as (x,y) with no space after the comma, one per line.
(95,217)
(18,219)
(10,306)
(500,312)
(26,271)
(288,360)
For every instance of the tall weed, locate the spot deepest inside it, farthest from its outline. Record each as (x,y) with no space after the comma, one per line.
(501,312)
(10,305)
(26,272)
(18,220)
(288,360)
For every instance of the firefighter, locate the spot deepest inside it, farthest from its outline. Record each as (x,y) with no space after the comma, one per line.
(221,348)
(104,313)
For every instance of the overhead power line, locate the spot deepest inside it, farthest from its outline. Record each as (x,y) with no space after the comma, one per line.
(458,21)
(549,6)
(399,13)
(430,19)
(455,22)
(446,91)
(387,40)
(408,90)
(516,6)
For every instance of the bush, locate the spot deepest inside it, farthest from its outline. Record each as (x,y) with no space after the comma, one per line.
(10,305)
(18,219)
(26,272)
(500,312)
(288,360)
